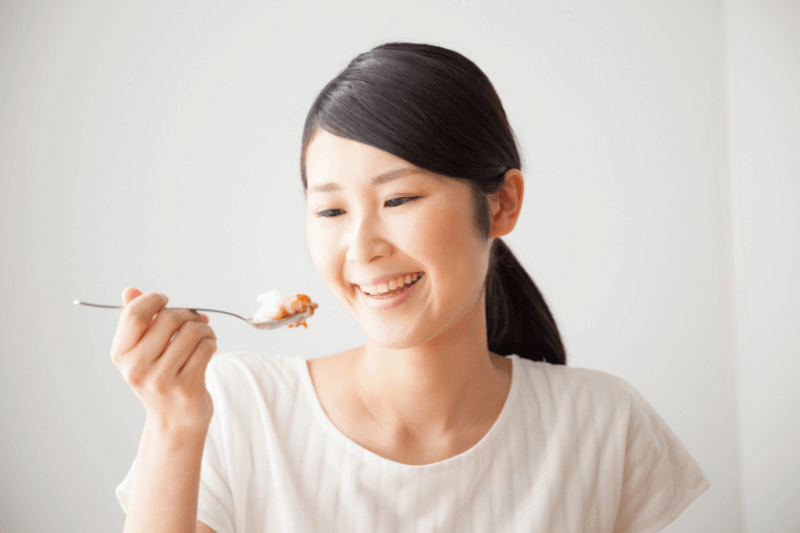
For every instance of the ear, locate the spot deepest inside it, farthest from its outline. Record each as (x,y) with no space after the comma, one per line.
(507,205)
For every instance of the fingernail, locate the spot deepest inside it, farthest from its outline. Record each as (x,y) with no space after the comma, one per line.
(205,317)
(135,293)
(164,296)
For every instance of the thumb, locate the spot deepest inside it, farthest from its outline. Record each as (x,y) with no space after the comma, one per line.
(129,293)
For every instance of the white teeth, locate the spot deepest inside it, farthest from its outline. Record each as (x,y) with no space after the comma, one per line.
(392,285)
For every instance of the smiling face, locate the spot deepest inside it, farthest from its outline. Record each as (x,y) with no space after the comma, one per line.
(359,228)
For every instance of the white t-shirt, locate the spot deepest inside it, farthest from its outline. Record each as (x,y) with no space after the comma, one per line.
(573,450)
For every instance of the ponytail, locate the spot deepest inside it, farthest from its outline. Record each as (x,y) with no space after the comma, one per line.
(518,320)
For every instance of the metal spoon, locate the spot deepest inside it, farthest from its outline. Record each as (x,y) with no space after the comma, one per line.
(269,324)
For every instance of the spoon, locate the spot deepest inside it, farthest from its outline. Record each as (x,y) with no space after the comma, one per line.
(268,324)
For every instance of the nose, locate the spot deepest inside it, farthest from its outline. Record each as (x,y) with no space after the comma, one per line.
(366,241)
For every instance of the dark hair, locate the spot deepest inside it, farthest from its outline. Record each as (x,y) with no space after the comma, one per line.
(437,110)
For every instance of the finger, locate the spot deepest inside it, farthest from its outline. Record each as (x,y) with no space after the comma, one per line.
(135,319)
(186,341)
(129,293)
(195,366)
(159,338)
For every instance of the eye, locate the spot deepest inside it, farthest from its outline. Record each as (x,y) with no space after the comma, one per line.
(408,198)
(328,212)
(322,214)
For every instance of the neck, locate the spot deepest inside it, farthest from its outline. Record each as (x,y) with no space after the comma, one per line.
(430,392)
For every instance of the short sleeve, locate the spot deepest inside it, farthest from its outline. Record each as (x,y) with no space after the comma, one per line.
(660,478)
(215,499)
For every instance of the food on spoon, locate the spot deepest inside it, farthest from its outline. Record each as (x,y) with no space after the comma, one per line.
(274,307)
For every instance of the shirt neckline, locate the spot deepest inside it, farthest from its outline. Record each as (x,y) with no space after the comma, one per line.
(383,462)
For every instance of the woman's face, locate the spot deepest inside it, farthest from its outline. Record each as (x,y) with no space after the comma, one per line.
(358,230)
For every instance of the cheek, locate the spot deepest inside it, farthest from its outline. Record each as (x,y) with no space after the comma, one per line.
(327,257)
(443,232)
(317,250)
(452,244)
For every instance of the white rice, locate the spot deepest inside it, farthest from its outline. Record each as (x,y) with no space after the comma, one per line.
(270,305)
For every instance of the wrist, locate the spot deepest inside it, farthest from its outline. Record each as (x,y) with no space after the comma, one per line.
(176,434)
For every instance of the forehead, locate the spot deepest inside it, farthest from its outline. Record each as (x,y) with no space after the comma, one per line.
(334,163)
(330,157)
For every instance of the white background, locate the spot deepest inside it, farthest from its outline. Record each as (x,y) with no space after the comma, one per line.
(156,144)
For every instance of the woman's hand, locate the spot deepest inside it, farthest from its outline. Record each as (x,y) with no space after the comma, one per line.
(166,374)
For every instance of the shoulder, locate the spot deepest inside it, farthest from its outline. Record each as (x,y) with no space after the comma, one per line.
(240,371)
(576,383)
(247,387)
(583,401)
(591,398)
(249,361)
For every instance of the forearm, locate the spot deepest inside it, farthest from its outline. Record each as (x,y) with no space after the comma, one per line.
(166,481)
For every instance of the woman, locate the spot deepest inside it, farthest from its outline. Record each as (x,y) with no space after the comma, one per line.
(459,413)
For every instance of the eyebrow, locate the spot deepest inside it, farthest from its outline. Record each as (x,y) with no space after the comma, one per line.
(380,179)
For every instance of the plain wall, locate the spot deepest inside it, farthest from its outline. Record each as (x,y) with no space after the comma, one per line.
(764,94)
(156,144)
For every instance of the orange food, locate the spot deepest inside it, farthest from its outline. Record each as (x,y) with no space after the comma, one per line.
(300,303)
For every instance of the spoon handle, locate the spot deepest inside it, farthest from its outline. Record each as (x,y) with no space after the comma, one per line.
(78,302)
